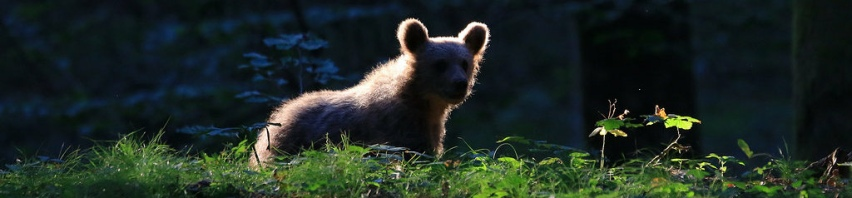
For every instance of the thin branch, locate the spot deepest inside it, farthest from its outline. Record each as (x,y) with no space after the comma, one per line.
(665,151)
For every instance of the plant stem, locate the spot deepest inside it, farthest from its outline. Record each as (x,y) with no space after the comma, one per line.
(603,146)
(657,158)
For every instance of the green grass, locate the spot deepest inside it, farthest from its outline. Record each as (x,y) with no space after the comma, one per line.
(132,167)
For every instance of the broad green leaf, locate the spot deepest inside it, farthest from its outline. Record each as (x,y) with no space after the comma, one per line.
(684,125)
(669,123)
(681,122)
(745,148)
(610,123)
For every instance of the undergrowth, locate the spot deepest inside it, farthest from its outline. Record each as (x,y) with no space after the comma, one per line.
(133,167)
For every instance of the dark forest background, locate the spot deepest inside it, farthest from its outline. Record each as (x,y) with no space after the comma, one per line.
(75,72)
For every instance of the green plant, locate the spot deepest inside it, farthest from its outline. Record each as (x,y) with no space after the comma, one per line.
(612,124)
(135,167)
(276,76)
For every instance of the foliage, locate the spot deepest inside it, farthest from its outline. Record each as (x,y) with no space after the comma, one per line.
(612,124)
(137,168)
(293,59)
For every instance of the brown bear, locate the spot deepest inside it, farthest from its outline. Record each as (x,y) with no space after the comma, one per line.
(404,102)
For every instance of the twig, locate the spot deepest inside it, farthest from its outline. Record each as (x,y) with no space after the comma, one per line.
(665,151)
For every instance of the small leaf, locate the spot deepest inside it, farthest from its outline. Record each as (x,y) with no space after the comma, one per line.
(651,119)
(325,66)
(246,94)
(745,148)
(713,155)
(599,130)
(550,160)
(516,139)
(387,148)
(273,41)
(313,44)
(511,161)
(281,82)
(260,62)
(254,55)
(283,42)
(796,184)
(618,133)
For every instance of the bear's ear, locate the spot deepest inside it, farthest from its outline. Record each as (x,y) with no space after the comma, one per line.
(412,35)
(475,37)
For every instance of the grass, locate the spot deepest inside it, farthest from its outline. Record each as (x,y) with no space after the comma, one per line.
(132,167)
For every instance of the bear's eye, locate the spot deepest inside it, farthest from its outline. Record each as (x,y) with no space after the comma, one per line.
(441,66)
(464,65)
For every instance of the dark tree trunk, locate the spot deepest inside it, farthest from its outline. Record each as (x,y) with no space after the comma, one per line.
(822,76)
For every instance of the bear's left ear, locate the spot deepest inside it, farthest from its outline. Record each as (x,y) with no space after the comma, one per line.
(475,37)
(412,35)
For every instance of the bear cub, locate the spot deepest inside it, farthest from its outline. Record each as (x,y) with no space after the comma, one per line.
(403,102)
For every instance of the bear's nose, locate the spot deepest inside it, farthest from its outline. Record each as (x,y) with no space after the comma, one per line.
(459,85)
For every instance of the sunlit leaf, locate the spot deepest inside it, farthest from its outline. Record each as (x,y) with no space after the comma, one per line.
(618,133)
(550,160)
(610,123)
(745,148)
(515,139)
(511,161)
(599,131)
(681,122)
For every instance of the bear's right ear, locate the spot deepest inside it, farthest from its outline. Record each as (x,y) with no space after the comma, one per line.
(412,35)
(475,37)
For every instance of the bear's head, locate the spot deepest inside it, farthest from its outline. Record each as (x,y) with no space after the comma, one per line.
(445,68)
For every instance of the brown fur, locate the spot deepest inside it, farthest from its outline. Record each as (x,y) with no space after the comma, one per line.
(404,102)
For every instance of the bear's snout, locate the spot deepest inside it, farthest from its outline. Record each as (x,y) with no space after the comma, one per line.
(457,90)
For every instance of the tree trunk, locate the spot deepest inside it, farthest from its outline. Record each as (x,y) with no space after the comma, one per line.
(822,76)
